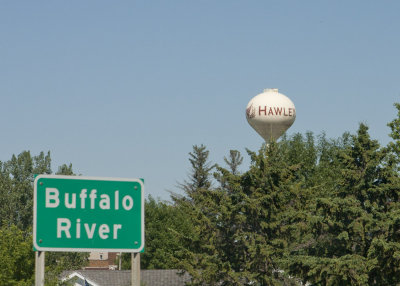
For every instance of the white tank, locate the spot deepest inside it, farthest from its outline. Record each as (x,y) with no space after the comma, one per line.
(270,113)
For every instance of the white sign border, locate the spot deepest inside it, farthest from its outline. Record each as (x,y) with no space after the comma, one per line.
(69,249)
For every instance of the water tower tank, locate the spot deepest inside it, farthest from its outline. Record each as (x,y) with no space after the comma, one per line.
(270,113)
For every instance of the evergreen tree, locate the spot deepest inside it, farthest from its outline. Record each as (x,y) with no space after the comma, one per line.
(395,134)
(234,161)
(384,252)
(196,205)
(328,165)
(198,256)
(199,178)
(347,222)
(240,228)
(301,152)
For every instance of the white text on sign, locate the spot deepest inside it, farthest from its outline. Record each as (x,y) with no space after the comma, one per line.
(104,231)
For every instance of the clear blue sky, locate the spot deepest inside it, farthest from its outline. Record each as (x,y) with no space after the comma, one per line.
(126,88)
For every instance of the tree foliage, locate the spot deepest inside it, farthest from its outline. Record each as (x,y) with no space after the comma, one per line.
(16,190)
(310,209)
(17,260)
(345,223)
(16,211)
(199,177)
(164,225)
(307,210)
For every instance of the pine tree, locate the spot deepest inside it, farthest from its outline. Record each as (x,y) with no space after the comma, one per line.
(234,161)
(384,252)
(199,178)
(348,222)
(241,229)
(197,250)
(395,134)
(326,211)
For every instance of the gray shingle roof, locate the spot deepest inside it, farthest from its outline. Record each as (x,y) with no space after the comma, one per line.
(163,278)
(170,277)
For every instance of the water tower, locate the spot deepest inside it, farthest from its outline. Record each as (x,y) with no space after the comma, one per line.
(270,113)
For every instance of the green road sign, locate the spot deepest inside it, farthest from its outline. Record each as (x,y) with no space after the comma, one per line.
(73,213)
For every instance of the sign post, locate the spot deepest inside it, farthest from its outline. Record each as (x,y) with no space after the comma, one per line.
(135,269)
(84,214)
(39,268)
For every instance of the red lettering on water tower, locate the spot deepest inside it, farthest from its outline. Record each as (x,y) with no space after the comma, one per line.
(259,110)
(278,110)
(284,112)
(271,111)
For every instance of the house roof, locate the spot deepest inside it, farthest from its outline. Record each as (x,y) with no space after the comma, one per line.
(170,277)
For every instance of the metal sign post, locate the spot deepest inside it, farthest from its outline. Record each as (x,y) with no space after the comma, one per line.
(39,268)
(135,269)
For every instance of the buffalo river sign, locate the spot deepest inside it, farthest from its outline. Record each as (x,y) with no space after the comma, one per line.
(82,214)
